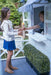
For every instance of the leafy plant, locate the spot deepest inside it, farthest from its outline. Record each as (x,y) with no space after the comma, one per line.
(15,15)
(38,59)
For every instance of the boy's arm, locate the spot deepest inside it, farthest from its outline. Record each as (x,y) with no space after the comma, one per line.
(33,27)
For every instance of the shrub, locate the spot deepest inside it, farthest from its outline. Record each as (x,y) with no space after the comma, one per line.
(39,60)
(15,15)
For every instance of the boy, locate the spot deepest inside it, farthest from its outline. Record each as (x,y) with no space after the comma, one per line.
(40,27)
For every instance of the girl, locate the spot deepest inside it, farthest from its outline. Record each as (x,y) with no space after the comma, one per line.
(8,33)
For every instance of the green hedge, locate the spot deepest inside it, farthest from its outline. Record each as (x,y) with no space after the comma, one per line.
(39,60)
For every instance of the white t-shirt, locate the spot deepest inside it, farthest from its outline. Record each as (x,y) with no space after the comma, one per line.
(8,31)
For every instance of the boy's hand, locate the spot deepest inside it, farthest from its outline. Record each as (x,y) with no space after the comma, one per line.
(21,29)
(24,28)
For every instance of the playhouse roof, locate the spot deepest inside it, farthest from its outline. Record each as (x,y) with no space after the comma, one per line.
(26,7)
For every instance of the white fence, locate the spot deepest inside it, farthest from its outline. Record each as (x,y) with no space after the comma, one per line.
(19,44)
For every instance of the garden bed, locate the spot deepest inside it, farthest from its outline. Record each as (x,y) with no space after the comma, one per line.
(38,61)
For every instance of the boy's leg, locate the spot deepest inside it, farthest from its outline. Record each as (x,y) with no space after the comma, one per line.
(7,69)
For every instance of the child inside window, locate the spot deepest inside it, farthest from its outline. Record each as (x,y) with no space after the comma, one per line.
(40,27)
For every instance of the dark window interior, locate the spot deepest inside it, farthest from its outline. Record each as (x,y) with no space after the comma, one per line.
(36,14)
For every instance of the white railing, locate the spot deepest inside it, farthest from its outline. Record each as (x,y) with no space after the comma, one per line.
(19,45)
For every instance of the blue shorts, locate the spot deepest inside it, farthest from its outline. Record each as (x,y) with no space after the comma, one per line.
(9,45)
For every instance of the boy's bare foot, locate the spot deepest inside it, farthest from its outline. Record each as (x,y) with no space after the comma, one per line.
(14,68)
(8,70)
